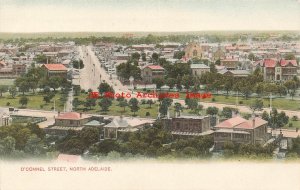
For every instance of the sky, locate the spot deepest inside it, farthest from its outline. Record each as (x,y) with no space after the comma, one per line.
(147,15)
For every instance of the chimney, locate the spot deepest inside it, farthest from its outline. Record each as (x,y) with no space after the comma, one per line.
(253,121)
(80,115)
(233,114)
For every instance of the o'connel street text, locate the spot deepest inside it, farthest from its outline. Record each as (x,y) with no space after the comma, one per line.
(150,95)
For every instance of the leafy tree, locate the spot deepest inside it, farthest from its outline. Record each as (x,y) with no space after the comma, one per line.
(257,105)
(171,82)
(227,111)
(7,146)
(123,104)
(178,108)
(13,91)
(76,103)
(212,110)
(104,87)
(178,54)
(165,104)
(155,57)
(191,103)
(144,56)
(150,102)
(78,64)
(77,90)
(159,82)
(187,81)
(252,57)
(89,136)
(105,103)
(213,68)
(90,102)
(54,82)
(41,58)
(3,89)
(34,145)
(23,101)
(135,56)
(289,56)
(133,104)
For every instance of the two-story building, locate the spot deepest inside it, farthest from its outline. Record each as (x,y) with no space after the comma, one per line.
(57,70)
(240,131)
(151,72)
(199,69)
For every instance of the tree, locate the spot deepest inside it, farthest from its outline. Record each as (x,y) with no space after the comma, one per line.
(41,58)
(178,108)
(144,56)
(150,102)
(257,105)
(7,146)
(291,85)
(135,56)
(78,64)
(133,104)
(90,102)
(89,136)
(212,110)
(77,90)
(252,57)
(76,103)
(289,56)
(171,82)
(213,68)
(227,112)
(3,89)
(47,98)
(104,87)
(178,54)
(13,91)
(23,101)
(187,81)
(54,82)
(155,57)
(34,145)
(105,103)
(159,82)
(123,104)
(164,106)
(191,103)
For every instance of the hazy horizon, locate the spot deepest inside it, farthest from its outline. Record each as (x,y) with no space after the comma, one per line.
(33,16)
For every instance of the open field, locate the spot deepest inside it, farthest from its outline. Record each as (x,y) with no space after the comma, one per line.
(34,102)
(279,103)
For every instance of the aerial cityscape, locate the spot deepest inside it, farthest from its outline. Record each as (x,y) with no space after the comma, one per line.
(157,80)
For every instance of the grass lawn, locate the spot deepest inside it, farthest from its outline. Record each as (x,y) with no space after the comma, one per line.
(296,124)
(35,101)
(117,110)
(279,103)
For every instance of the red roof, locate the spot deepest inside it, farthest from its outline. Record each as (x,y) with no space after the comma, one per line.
(286,62)
(269,62)
(55,67)
(155,67)
(241,123)
(70,115)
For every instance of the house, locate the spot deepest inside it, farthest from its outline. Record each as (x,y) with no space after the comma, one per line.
(199,69)
(121,124)
(19,69)
(193,50)
(68,121)
(240,131)
(219,54)
(57,70)
(230,64)
(151,72)
(188,125)
(234,73)
(274,70)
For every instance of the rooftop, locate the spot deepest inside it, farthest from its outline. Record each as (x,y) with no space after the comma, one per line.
(55,67)
(71,115)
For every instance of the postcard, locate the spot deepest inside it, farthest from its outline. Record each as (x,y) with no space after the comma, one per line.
(150,94)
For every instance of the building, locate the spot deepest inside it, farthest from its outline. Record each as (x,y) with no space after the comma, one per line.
(234,73)
(199,69)
(55,70)
(121,124)
(218,54)
(240,131)
(274,70)
(193,50)
(151,72)
(230,64)
(19,69)
(187,125)
(68,121)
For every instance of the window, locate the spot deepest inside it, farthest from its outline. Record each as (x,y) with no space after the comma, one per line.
(195,53)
